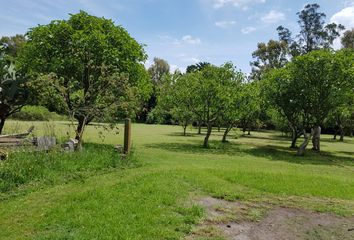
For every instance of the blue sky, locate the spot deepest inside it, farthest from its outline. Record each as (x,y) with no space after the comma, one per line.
(181,31)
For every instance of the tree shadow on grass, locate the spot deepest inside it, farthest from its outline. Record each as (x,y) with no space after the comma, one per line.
(271,152)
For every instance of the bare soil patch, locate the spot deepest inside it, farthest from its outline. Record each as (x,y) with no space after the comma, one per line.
(243,221)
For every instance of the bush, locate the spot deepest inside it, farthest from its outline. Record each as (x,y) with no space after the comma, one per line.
(36,113)
(56,167)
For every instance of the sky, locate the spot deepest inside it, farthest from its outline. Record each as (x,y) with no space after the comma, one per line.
(183,32)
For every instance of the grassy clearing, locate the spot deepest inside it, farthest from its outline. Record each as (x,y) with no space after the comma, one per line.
(157,199)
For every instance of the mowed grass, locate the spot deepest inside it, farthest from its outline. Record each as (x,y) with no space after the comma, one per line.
(96,196)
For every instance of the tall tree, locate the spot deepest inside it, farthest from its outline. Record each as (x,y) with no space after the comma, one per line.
(271,55)
(157,71)
(92,62)
(348,39)
(314,34)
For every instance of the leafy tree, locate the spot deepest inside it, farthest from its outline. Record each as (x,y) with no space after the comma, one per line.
(268,56)
(157,72)
(197,67)
(348,39)
(158,69)
(12,45)
(310,87)
(93,63)
(13,92)
(250,106)
(282,97)
(314,35)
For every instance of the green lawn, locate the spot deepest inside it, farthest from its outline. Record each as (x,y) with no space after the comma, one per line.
(96,196)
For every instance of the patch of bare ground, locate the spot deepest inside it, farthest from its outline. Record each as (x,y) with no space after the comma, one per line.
(250,221)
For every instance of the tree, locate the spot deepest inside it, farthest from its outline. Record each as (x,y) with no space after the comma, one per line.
(197,67)
(282,96)
(310,87)
(92,63)
(314,35)
(157,72)
(12,45)
(13,92)
(268,56)
(348,39)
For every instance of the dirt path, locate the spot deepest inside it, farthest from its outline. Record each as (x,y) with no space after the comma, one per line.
(237,221)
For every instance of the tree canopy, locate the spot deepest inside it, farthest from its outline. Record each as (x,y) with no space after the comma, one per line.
(92,63)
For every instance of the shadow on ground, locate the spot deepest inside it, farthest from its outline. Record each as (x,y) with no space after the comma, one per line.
(271,152)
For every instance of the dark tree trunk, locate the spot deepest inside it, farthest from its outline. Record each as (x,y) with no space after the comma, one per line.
(341,134)
(249,131)
(199,127)
(219,128)
(206,139)
(184,130)
(293,140)
(2,123)
(294,136)
(227,130)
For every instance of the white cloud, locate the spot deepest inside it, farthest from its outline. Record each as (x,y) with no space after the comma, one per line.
(224,24)
(273,17)
(191,40)
(346,18)
(243,4)
(248,30)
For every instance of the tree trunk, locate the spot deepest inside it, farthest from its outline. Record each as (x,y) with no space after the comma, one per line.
(199,127)
(249,131)
(341,134)
(2,123)
(206,139)
(219,128)
(316,132)
(227,130)
(184,129)
(294,137)
(302,148)
(80,131)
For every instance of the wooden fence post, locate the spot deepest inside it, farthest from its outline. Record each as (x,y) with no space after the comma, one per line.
(127,135)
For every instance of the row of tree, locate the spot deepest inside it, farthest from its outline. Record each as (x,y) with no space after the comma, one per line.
(91,69)
(297,84)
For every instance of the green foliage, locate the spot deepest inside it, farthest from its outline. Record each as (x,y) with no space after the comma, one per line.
(36,113)
(13,90)
(310,87)
(314,34)
(93,64)
(348,39)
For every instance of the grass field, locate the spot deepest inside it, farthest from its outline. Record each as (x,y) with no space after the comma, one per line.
(96,196)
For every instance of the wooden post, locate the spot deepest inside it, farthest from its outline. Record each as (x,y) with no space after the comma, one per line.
(127,135)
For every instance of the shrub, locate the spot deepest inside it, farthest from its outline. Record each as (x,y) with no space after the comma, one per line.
(36,113)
